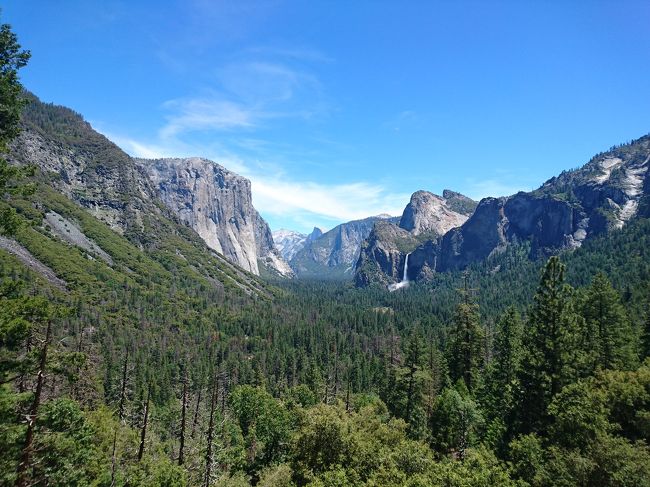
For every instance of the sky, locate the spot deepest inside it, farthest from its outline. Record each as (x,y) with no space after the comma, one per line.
(338,110)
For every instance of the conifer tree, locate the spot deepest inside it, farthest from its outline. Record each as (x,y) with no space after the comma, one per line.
(552,357)
(645,337)
(466,350)
(612,344)
(12,58)
(502,382)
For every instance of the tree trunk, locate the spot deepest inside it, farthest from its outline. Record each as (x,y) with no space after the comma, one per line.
(26,457)
(120,416)
(183,414)
(143,433)
(208,453)
(196,414)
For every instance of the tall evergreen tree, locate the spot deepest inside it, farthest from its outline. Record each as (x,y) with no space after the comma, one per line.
(552,356)
(611,342)
(502,382)
(466,350)
(12,58)
(645,338)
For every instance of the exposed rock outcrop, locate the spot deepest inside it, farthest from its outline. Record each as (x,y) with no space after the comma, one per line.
(289,243)
(217,204)
(383,254)
(426,217)
(334,254)
(127,193)
(428,213)
(85,166)
(601,196)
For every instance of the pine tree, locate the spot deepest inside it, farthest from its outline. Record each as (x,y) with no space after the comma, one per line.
(12,58)
(412,383)
(502,382)
(612,343)
(645,340)
(552,356)
(466,350)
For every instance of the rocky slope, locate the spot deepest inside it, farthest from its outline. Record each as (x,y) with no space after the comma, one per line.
(137,199)
(217,204)
(426,217)
(334,254)
(85,166)
(428,213)
(289,243)
(601,196)
(383,254)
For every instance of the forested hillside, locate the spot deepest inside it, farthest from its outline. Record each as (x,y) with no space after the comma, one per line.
(159,363)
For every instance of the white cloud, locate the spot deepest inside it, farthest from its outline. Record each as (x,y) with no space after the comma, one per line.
(276,193)
(206,114)
(337,202)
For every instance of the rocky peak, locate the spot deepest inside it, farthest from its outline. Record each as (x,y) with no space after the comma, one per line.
(315,233)
(428,213)
(459,202)
(217,204)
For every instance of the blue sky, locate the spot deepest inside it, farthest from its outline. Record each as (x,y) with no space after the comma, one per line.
(340,110)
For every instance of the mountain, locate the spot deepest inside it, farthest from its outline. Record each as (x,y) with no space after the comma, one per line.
(432,214)
(426,217)
(289,242)
(135,198)
(597,198)
(217,204)
(333,255)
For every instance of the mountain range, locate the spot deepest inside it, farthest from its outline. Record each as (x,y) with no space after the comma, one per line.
(136,197)
(597,198)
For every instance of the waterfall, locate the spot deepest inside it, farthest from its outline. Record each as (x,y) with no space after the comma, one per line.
(405,278)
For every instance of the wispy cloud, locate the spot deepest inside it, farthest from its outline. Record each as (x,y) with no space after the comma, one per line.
(205,114)
(244,96)
(336,202)
(276,193)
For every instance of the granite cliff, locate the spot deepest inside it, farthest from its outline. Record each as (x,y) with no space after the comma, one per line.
(217,204)
(426,217)
(599,197)
(133,195)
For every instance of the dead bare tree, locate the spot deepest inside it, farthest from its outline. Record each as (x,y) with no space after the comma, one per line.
(26,458)
(120,416)
(143,432)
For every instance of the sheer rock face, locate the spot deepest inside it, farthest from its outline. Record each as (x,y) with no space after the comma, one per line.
(426,218)
(383,254)
(599,197)
(217,204)
(429,213)
(334,254)
(89,169)
(126,193)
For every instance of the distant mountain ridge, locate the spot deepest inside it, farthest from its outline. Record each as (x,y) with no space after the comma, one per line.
(333,255)
(289,242)
(601,196)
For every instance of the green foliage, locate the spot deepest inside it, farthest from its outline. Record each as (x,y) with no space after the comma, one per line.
(610,339)
(501,387)
(552,357)
(456,421)
(466,352)
(265,424)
